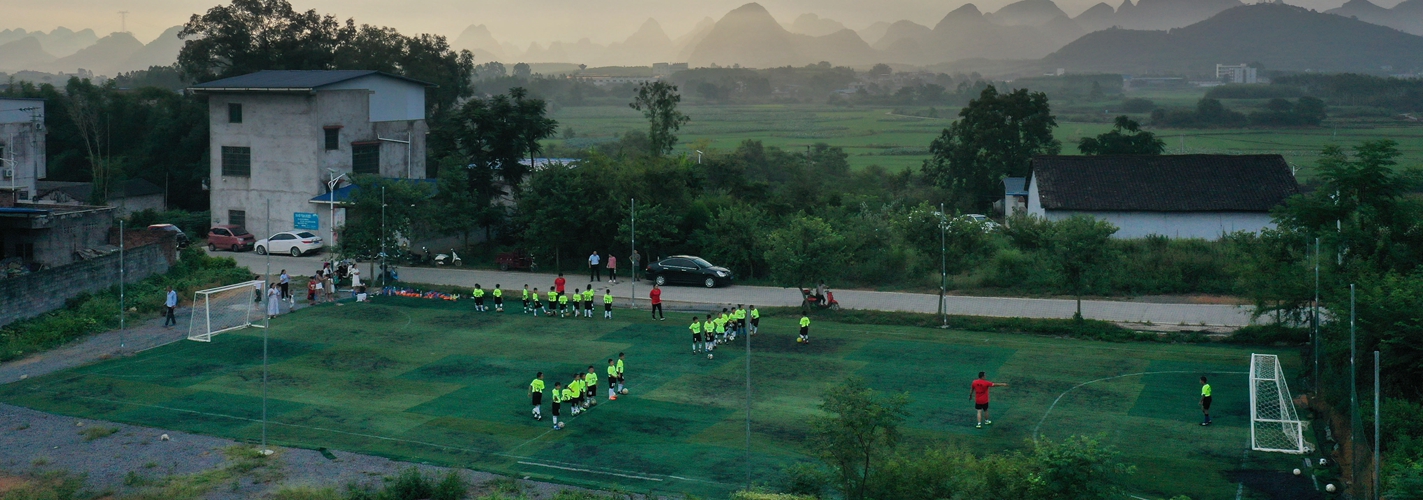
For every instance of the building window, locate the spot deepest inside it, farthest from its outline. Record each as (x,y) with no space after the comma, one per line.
(236,161)
(365,158)
(237,218)
(333,138)
(234,113)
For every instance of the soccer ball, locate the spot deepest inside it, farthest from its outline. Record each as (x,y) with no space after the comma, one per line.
(1330,488)
(1323,462)
(709,356)
(799,340)
(624,391)
(1297,472)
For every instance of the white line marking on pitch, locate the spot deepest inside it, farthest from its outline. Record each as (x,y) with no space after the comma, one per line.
(576,469)
(1075,387)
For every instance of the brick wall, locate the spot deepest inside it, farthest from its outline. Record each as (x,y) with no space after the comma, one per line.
(40,292)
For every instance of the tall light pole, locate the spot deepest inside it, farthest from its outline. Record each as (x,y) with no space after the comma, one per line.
(331,200)
(1377,442)
(1317,343)
(122,275)
(943,265)
(382,236)
(632,237)
(267,327)
(748,411)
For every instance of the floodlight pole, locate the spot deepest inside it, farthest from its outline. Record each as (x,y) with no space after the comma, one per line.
(748,411)
(943,265)
(1378,443)
(266,327)
(122,275)
(382,236)
(1353,389)
(1317,343)
(632,237)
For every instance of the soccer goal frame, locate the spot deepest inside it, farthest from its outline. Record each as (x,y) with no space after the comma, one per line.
(224,309)
(1274,424)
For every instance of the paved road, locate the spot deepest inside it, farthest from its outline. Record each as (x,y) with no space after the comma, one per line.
(1107,310)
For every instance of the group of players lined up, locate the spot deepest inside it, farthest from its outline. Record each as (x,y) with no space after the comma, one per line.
(559,301)
(720,329)
(580,394)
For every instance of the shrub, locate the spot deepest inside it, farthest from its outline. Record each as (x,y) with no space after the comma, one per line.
(1138,105)
(804,479)
(1268,335)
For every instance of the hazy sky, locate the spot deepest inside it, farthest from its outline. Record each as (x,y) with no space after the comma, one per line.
(519,21)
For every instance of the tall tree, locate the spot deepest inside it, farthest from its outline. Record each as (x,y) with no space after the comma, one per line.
(497,133)
(803,250)
(1080,247)
(1125,138)
(658,102)
(859,432)
(252,35)
(996,136)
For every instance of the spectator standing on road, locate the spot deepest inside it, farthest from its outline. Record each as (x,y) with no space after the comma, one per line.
(595,273)
(612,269)
(171,302)
(274,302)
(635,258)
(656,296)
(286,281)
(328,285)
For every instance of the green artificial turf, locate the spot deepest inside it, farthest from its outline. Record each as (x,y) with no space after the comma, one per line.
(432,381)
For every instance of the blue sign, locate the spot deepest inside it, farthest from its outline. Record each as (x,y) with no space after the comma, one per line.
(305,220)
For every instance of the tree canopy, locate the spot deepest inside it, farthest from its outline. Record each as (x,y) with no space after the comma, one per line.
(1125,138)
(996,136)
(658,102)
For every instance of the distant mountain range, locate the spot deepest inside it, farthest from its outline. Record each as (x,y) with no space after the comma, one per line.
(119,52)
(1175,35)
(1276,35)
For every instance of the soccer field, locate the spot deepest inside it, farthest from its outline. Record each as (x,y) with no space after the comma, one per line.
(432,381)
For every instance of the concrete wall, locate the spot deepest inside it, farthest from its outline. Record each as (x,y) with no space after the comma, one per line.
(391,99)
(23,143)
(126,206)
(56,237)
(290,162)
(1204,225)
(40,292)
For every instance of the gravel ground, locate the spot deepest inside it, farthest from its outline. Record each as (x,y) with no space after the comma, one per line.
(32,442)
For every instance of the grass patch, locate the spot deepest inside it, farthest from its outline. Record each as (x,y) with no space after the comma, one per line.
(1078,329)
(243,462)
(97,432)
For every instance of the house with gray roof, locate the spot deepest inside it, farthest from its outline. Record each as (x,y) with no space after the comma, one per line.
(1177,196)
(285,137)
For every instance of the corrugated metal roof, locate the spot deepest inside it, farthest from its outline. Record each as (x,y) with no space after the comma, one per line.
(295,79)
(1165,183)
(1015,186)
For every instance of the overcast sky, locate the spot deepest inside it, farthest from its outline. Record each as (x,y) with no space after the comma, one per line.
(519,21)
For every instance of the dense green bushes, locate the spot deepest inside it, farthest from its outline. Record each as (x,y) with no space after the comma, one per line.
(93,313)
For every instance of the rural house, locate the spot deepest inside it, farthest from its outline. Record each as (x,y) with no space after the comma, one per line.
(285,136)
(1177,196)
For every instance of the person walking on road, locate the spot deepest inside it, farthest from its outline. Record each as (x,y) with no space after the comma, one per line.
(978,392)
(612,269)
(170,303)
(595,273)
(656,296)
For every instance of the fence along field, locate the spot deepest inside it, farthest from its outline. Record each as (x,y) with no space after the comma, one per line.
(433,381)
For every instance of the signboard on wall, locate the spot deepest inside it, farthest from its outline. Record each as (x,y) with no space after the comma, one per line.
(306,220)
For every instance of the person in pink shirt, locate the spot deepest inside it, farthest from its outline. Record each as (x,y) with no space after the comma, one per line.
(612,269)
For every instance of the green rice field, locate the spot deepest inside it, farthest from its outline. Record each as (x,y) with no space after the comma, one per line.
(874,136)
(435,382)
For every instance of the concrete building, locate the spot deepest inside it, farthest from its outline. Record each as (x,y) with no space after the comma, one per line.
(284,136)
(1236,73)
(22,158)
(1015,196)
(39,236)
(1177,196)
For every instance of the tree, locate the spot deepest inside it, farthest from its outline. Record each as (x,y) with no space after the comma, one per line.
(860,431)
(880,69)
(496,134)
(523,71)
(734,239)
(804,249)
(253,35)
(1077,468)
(84,102)
(996,136)
(1079,246)
(368,230)
(1126,138)
(658,102)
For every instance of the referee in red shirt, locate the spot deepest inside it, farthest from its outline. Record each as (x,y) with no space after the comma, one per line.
(978,392)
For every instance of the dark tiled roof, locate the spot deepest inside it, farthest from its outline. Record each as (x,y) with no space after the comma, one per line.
(295,79)
(1168,183)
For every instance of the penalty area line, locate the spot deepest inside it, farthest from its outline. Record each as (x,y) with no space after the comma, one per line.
(1075,387)
(576,469)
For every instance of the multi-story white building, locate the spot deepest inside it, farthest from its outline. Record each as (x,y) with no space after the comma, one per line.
(22,158)
(1236,73)
(283,136)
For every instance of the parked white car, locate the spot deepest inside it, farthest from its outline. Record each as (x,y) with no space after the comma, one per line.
(296,243)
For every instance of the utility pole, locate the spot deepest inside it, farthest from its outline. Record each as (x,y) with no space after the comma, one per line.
(1317,343)
(382,237)
(632,237)
(943,265)
(1377,442)
(1355,422)
(748,411)
(123,312)
(267,327)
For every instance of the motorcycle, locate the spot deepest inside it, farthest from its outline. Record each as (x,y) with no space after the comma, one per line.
(451,258)
(420,258)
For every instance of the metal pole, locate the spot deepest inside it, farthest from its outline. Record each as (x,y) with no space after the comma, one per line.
(1378,440)
(632,237)
(267,327)
(122,275)
(1317,343)
(943,266)
(382,236)
(748,412)
(1354,421)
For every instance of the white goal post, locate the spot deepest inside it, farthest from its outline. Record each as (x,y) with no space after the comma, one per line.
(1274,424)
(224,309)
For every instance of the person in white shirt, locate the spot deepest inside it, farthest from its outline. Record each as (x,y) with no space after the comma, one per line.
(171,302)
(595,273)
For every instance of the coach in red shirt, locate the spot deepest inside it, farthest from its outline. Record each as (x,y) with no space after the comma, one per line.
(978,392)
(558,284)
(656,296)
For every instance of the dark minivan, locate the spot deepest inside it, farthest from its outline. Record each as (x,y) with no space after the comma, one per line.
(688,269)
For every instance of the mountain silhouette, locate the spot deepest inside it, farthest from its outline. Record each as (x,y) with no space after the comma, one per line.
(813,25)
(1276,35)
(1406,16)
(105,57)
(162,51)
(23,53)
(478,40)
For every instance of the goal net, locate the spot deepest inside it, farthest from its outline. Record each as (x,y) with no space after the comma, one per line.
(224,309)
(1274,425)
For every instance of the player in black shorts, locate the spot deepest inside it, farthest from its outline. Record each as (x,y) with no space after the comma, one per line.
(558,396)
